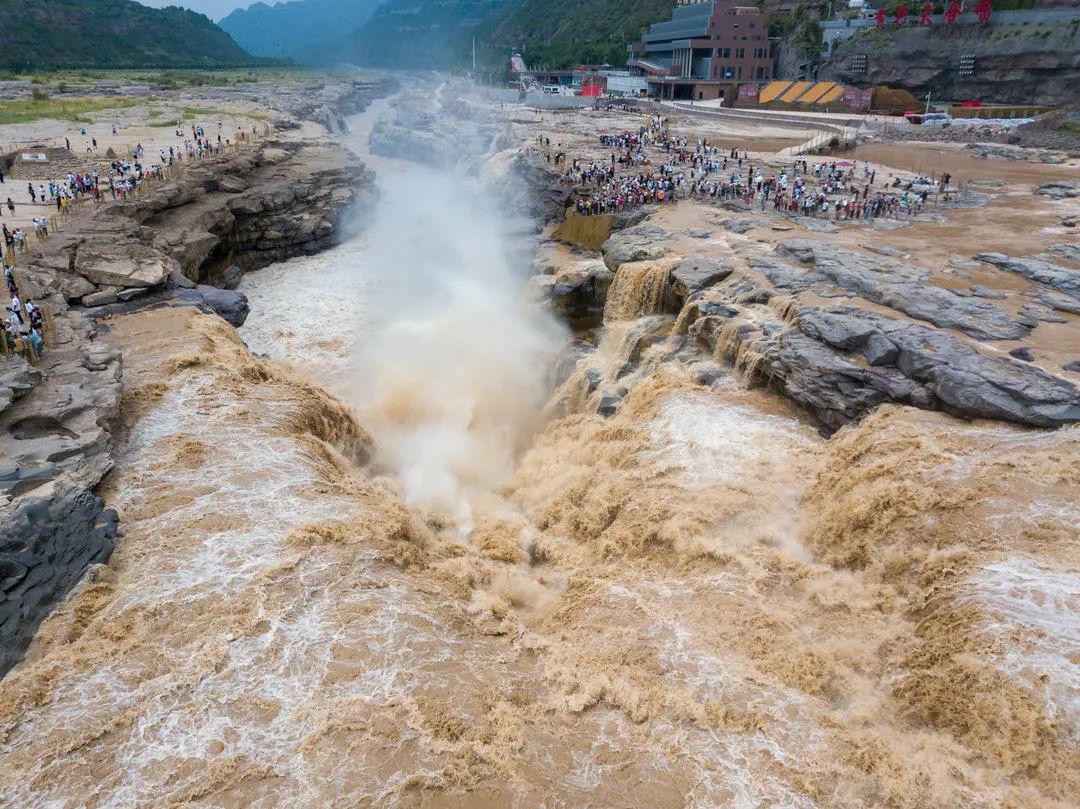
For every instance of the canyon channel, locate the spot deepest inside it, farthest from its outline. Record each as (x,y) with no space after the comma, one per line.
(469,512)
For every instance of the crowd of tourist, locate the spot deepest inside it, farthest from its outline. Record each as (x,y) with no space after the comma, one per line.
(652,165)
(24,322)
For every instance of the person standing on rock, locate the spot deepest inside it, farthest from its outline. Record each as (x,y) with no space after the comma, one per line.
(36,341)
(33,196)
(14,321)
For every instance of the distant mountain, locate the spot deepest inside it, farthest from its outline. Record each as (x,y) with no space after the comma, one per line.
(422,34)
(564,33)
(304,30)
(557,33)
(58,34)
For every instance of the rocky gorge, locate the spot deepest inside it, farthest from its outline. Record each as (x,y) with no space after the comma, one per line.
(699,504)
(185,240)
(840,329)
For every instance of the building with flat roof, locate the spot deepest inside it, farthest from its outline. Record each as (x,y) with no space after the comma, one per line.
(705,51)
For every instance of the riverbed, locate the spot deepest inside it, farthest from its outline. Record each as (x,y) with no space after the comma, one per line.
(375,565)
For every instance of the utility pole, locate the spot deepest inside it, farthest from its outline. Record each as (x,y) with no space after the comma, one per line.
(474,57)
(927,104)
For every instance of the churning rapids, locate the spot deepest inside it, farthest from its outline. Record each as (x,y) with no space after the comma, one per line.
(390,565)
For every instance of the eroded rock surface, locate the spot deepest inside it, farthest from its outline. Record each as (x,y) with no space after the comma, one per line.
(639,243)
(901,286)
(278,197)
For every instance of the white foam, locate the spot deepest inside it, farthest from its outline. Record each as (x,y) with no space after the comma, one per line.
(714,441)
(1034,614)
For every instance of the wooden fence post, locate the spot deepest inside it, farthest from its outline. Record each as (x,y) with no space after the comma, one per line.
(48,325)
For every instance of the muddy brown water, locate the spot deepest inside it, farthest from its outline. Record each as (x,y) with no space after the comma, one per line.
(933,160)
(697,602)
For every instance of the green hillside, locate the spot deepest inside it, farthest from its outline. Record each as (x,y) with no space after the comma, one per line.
(557,33)
(64,34)
(563,33)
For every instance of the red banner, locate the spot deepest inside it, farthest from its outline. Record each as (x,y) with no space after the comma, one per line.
(857,99)
(747,91)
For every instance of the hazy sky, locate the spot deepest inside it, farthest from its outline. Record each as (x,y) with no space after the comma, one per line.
(214,9)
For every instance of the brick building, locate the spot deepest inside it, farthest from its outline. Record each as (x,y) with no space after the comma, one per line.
(705,51)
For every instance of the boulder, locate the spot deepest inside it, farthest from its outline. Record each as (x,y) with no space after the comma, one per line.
(577,293)
(1034,312)
(639,243)
(46,544)
(129,265)
(1062,303)
(880,350)
(569,360)
(131,293)
(17,377)
(1063,279)
(693,274)
(608,404)
(836,389)
(980,291)
(1059,189)
(102,298)
(1067,250)
(901,286)
(228,304)
(837,328)
(951,373)
(231,184)
(231,276)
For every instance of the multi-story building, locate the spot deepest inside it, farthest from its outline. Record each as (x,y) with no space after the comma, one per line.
(705,51)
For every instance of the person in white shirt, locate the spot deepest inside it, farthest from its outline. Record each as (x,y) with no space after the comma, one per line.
(15,321)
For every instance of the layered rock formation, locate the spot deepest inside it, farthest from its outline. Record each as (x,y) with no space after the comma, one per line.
(893,335)
(174,244)
(1014,63)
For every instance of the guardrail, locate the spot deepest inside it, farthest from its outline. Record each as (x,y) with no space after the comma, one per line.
(844,139)
(772,118)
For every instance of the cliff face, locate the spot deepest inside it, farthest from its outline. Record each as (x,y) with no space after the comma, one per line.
(1014,63)
(280,197)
